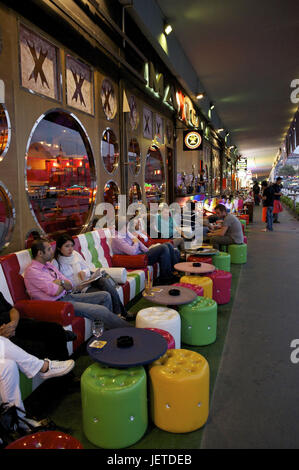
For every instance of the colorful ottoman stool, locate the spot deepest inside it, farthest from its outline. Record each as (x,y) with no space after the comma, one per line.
(222,261)
(179,391)
(169,338)
(163,318)
(199,322)
(197,289)
(114,405)
(238,253)
(222,282)
(200,259)
(205,282)
(46,440)
(244,224)
(245,217)
(245,240)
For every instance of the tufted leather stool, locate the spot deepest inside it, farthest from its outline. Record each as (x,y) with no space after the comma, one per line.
(199,322)
(114,405)
(163,318)
(199,259)
(222,261)
(203,281)
(169,338)
(222,282)
(238,253)
(179,391)
(197,289)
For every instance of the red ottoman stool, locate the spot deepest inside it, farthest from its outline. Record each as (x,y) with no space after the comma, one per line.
(46,440)
(245,217)
(243,228)
(169,338)
(222,281)
(245,240)
(200,259)
(198,289)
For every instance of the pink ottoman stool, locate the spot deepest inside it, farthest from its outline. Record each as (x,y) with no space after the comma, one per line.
(222,281)
(198,289)
(169,338)
(198,259)
(245,239)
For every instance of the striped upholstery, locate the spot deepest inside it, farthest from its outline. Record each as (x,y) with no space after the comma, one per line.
(95,247)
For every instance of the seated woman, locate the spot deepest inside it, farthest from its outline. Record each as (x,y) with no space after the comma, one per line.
(43,339)
(73,266)
(13,358)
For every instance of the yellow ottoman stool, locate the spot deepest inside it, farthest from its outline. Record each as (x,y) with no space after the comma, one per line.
(205,282)
(179,391)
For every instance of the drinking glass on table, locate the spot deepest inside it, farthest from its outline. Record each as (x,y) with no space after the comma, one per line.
(97,328)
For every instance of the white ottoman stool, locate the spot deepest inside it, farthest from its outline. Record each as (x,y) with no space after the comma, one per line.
(163,318)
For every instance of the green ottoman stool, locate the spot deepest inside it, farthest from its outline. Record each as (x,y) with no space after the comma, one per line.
(199,322)
(222,261)
(238,253)
(114,405)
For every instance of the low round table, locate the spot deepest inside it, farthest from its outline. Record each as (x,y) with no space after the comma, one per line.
(147,347)
(202,251)
(163,297)
(189,268)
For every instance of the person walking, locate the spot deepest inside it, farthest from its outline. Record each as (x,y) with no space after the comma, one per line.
(268,202)
(277,208)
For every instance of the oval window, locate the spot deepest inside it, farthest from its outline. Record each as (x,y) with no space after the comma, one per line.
(5,131)
(60,174)
(111,192)
(7,216)
(134,157)
(154,177)
(135,194)
(110,150)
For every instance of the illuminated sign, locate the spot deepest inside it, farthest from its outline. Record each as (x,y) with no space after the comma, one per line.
(192,141)
(175,99)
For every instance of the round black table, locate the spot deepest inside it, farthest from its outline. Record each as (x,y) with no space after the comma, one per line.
(147,347)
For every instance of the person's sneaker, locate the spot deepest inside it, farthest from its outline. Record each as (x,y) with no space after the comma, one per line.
(57,369)
(264,230)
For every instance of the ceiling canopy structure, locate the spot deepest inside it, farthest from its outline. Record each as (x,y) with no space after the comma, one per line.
(246,54)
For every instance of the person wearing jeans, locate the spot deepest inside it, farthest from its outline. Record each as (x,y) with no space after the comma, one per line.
(128,244)
(268,201)
(44,282)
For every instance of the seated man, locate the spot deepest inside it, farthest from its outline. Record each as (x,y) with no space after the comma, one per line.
(44,282)
(167,227)
(13,358)
(42,339)
(231,231)
(138,232)
(130,245)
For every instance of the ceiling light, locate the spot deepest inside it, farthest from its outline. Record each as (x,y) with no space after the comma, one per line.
(220,130)
(167,29)
(212,106)
(200,96)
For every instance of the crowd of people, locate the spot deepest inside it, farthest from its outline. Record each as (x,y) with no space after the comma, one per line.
(40,348)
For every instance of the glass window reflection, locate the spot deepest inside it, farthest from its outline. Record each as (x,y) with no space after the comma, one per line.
(7,216)
(111,192)
(60,174)
(154,177)
(110,151)
(134,156)
(135,194)
(4,131)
